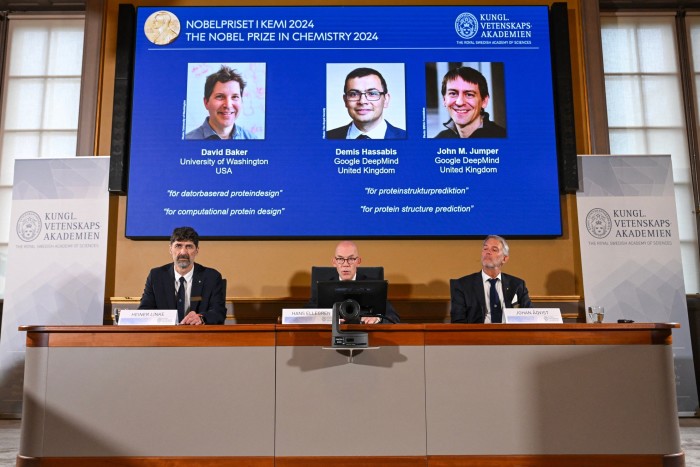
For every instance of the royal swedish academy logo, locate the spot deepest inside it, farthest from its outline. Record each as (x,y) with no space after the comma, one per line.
(29,226)
(466,25)
(598,223)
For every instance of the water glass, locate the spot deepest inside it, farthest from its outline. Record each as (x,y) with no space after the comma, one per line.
(595,314)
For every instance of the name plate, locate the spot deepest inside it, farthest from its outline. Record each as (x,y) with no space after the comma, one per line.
(147,317)
(532,315)
(307,315)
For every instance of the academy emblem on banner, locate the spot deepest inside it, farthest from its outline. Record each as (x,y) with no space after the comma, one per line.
(29,226)
(598,223)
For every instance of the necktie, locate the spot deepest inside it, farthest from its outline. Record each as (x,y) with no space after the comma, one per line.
(363,137)
(181,299)
(496,312)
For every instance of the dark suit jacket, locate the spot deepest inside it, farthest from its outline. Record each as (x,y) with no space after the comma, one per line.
(392,132)
(468,299)
(208,296)
(390,313)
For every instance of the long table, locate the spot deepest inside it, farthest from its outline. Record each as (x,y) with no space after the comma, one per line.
(435,395)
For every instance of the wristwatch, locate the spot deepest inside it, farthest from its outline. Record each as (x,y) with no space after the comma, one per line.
(201,318)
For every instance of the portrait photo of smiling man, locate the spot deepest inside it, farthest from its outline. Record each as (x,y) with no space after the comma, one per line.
(466,102)
(368,102)
(225,102)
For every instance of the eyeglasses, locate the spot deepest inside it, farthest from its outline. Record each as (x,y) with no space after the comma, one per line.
(350,260)
(371,95)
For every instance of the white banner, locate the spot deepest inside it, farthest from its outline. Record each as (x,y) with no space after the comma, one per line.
(630,250)
(56,258)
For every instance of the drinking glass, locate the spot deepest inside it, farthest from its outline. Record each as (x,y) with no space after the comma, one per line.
(595,314)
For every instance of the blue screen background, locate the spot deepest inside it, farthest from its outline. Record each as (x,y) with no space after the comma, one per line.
(289,182)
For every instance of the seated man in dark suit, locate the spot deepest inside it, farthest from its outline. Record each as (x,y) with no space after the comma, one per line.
(481,297)
(366,96)
(197,292)
(346,260)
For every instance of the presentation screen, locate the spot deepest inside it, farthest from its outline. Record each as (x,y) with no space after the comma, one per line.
(359,121)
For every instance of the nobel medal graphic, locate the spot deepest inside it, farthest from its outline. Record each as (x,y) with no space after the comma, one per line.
(162,27)
(29,226)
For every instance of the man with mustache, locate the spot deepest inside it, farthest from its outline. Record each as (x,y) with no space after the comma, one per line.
(471,296)
(223,99)
(196,291)
(465,95)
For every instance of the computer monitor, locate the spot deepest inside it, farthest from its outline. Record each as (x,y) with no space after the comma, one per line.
(371,295)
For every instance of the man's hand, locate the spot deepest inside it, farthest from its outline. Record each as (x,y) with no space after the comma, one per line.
(192,318)
(370,320)
(365,320)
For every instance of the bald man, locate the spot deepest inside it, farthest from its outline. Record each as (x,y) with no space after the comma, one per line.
(346,260)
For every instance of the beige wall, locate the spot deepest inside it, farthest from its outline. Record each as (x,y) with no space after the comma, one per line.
(416,269)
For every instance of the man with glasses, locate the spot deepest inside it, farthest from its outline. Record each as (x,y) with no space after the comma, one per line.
(346,259)
(196,291)
(366,96)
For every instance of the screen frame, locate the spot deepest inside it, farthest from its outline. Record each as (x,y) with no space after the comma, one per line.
(392,235)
